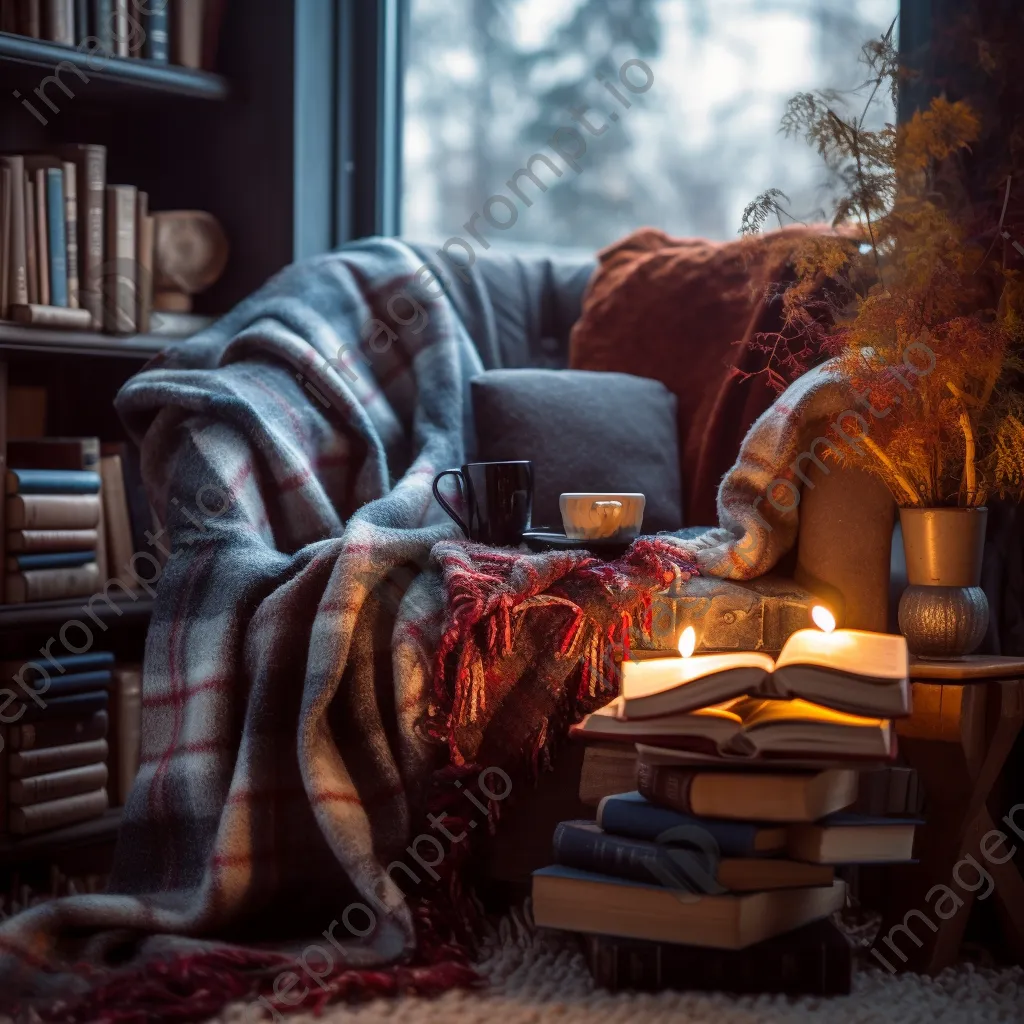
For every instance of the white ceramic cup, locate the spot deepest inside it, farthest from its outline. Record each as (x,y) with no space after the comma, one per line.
(602,516)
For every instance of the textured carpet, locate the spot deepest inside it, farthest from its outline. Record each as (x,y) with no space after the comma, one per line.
(540,977)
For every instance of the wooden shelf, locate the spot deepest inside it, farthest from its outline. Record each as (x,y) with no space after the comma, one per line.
(56,613)
(19,338)
(17,849)
(23,53)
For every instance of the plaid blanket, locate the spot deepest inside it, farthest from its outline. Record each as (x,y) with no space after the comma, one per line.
(334,688)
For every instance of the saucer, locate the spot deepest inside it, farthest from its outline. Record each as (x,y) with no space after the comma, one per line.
(548,540)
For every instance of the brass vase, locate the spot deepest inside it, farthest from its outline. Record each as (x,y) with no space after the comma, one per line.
(943,612)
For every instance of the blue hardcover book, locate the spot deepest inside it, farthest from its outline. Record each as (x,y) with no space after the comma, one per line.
(63,686)
(52,481)
(78,705)
(101,24)
(629,814)
(50,560)
(58,667)
(155,47)
(56,219)
(81,21)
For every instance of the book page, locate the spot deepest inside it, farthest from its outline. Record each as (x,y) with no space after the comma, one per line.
(768,712)
(883,656)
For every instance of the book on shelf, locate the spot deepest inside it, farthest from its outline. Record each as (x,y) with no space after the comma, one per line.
(752,728)
(31,248)
(581,901)
(16,241)
(59,666)
(630,814)
(853,839)
(122,36)
(120,283)
(585,845)
(101,24)
(44,760)
(71,231)
(43,541)
(57,732)
(849,670)
(187,33)
(754,796)
(70,453)
(126,731)
(156,46)
(91,164)
(53,512)
(59,21)
(42,234)
(30,18)
(82,27)
(63,685)
(813,960)
(5,239)
(51,481)
(57,785)
(57,236)
(145,235)
(76,705)
(117,522)
(52,584)
(56,813)
(49,560)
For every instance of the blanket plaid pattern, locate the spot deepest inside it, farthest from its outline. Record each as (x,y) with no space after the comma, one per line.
(326,664)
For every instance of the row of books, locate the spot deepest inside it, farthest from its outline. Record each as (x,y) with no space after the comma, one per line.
(184,32)
(75,252)
(69,523)
(70,740)
(743,766)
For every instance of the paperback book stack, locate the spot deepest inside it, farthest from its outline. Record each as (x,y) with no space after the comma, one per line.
(54,527)
(718,869)
(55,721)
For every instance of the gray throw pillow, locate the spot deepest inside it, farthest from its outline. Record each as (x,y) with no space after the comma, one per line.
(583,431)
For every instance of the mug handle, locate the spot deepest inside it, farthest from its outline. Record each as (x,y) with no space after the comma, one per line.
(444,504)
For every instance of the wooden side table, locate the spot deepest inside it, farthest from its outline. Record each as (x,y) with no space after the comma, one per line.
(967,715)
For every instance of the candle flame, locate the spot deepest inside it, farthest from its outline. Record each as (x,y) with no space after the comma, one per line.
(688,642)
(823,618)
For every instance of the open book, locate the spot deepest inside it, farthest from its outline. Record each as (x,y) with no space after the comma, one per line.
(751,727)
(849,670)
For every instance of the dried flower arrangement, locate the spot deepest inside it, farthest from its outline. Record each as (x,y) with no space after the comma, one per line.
(915,294)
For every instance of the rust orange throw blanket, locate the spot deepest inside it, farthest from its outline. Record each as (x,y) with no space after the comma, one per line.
(685,312)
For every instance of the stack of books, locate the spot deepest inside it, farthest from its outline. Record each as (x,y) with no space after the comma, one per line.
(721,860)
(76,252)
(54,521)
(54,768)
(182,32)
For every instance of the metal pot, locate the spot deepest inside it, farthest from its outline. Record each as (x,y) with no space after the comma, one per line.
(944,611)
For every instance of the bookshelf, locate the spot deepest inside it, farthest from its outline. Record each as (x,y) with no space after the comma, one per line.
(40,340)
(31,59)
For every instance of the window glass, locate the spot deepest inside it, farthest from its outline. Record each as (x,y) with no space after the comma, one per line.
(571,122)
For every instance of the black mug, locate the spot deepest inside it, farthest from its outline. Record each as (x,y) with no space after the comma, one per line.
(498,498)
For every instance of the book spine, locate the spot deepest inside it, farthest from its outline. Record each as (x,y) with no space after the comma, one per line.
(118,531)
(591,850)
(17,285)
(55,218)
(57,22)
(53,512)
(79,705)
(42,237)
(54,813)
(92,178)
(60,317)
(30,22)
(71,230)
(102,24)
(58,785)
(52,584)
(122,45)
(156,46)
(76,664)
(187,29)
(668,787)
(59,732)
(81,21)
(145,234)
(31,253)
(128,709)
(52,481)
(49,560)
(5,241)
(54,453)
(27,763)
(121,246)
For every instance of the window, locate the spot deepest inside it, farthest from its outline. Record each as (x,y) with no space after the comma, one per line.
(572,122)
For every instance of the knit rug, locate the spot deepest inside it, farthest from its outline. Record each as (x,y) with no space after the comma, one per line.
(540,976)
